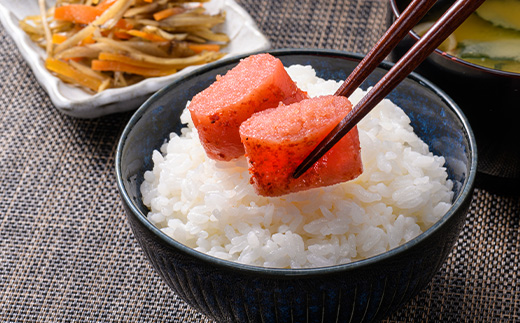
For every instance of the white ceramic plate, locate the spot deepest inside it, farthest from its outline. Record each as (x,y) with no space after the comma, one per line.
(73,101)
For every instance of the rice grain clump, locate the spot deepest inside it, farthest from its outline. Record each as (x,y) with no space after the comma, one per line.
(210,206)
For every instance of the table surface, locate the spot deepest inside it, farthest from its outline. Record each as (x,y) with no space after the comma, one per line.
(67,253)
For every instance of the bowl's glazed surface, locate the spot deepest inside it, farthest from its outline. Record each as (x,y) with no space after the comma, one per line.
(366,290)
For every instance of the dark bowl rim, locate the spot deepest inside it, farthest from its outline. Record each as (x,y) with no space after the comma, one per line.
(465,194)
(397,12)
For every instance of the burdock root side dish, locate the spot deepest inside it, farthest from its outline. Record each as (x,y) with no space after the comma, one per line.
(115,43)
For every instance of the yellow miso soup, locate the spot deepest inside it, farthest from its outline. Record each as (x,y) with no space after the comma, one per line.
(490,37)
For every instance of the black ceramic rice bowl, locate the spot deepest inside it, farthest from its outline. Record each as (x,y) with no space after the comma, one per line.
(362,291)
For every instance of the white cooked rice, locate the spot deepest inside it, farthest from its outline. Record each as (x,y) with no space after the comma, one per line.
(211,207)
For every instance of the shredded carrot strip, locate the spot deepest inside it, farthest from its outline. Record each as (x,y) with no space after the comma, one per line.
(98,65)
(163,14)
(102,6)
(198,48)
(147,36)
(83,14)
(66,72)
(75,59)
(78,13)
(88,40)
(122,34)
(58,39)
(124,24)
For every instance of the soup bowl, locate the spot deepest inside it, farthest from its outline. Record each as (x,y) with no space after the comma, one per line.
(365,290)
(487,96)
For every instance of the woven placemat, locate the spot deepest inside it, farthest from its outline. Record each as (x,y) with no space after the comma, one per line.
(68,255)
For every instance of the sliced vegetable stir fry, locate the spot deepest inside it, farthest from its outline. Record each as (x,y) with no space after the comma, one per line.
(100,44)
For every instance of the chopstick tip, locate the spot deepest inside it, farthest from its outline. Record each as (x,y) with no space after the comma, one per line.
(298,171)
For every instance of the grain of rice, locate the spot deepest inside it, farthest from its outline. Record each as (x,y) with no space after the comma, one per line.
(211,207)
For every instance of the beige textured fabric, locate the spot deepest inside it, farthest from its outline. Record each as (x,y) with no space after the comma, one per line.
(68,255)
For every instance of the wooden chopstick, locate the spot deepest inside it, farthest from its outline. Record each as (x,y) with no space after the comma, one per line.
(395,33)
(448,22)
